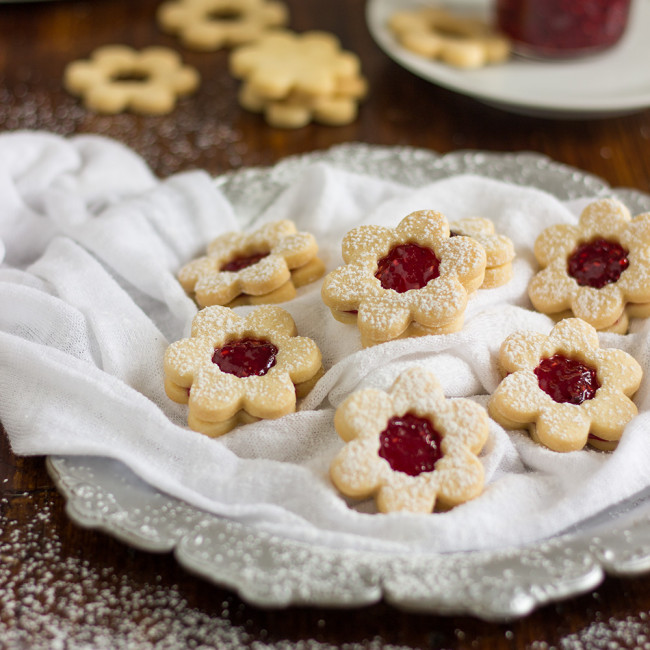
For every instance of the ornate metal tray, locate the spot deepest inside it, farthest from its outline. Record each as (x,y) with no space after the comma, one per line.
(271,571)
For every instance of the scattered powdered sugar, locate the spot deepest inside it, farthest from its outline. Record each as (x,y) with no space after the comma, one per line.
(49,600)
(171,143)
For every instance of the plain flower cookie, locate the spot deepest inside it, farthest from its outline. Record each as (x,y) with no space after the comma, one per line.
(410,448)
(213,24)
(410,280)
(294,78)
(263,266)
(118,78)
(235,370)
(598,270)
(435,33)
(499,249)
(296,110)
(564,388)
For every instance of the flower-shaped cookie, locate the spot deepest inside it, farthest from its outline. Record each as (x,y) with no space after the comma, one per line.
(565,388)
(411,448)
(238,367)
(594,268)
(412,274)
(460,41)
(117,78)
(283,63)
(212,24)
(499,250)
(296,110)
(267,263)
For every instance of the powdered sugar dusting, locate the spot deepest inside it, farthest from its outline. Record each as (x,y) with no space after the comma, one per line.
(359,470)
(553,289)
(281,247)
(519,399)
(52,600)
(385,314)
(170,143)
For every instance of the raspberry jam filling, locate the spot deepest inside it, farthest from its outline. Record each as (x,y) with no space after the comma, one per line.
(554,28)
(406,267)
(567,380)
(246,357)
(243,262)
(410,444)
(597,263)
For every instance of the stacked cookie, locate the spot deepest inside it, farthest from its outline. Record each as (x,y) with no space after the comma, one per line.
(261,267)
(499,249)
(296,78)
(411,280)
(596,270)
(234,370)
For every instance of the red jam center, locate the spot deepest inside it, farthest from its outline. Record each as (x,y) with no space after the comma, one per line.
(410,444)
(242,262)
(563,27)
(407,266)
(597,263)
(246,357)
(567,380)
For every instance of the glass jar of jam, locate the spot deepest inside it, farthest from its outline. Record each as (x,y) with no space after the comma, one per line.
(562,28)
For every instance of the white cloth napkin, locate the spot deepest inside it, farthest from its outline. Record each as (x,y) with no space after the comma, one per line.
(89,302)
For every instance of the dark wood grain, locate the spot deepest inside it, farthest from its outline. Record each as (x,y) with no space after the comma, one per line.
(61,581)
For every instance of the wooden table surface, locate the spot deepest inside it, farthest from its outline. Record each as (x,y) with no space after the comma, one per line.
(62,586)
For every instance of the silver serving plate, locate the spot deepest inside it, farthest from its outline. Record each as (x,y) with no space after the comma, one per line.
(271,571)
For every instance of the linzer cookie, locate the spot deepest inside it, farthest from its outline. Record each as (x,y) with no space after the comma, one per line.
(410,448)
(565,388)
(213,24)
(263,266)
(499,250)
(294,78)
(117,78)
(235,370)
(435,33)
(410,280)
(598,270)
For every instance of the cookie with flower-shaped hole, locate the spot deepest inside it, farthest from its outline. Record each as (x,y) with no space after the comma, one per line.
(596,268)
(499,249)
(209,25)
(565,388)
(267,264)
(410,447)
(460,41)
(235,368)
(117,78)
(413,274)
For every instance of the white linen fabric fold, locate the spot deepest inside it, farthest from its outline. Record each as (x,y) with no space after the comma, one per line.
(89,302)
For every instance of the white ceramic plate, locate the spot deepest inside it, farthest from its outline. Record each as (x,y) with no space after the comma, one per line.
(271,571)
(614,82)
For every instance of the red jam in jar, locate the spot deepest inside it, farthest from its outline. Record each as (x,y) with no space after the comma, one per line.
(597,263)
(410,444)
(407,266)
(567,380)
(562,28)
(246,357)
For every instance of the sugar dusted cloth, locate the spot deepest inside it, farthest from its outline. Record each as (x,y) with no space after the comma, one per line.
(91,242)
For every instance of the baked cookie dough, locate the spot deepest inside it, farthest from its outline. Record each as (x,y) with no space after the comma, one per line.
(117,78)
